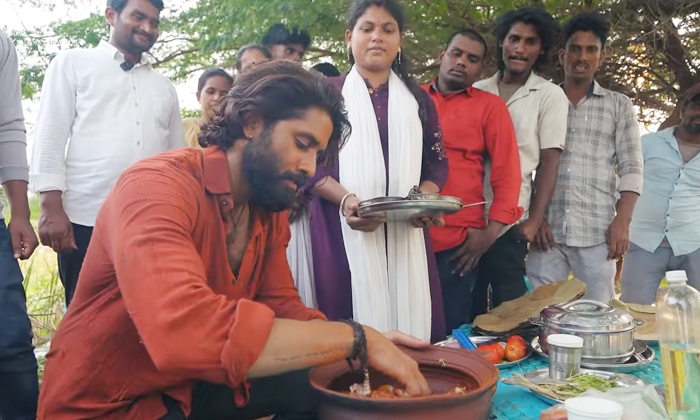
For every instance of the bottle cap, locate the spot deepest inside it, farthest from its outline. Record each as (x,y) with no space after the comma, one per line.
(676,277)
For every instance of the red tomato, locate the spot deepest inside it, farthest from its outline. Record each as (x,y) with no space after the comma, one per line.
(515,350)
(490,353)
(517,338)
(499,350)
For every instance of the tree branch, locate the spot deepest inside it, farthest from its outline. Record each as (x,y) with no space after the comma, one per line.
(173,56)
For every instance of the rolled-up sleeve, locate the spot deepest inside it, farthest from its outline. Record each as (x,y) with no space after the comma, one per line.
(277,289)
(553,115)
(184,325)
(503,152)
(13,140)
(53,126)
(628,148)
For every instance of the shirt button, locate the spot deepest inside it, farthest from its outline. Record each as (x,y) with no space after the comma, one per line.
(666,230)
(136,104)
(568,170)
(225,202)
(134,87)
(138,143)
(567,191)
(138,123)
(573,130)
(568,211)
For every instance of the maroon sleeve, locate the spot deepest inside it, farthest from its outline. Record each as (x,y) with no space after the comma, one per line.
(434,157)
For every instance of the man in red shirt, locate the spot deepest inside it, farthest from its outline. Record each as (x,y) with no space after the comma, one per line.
(477,129)
(186,295)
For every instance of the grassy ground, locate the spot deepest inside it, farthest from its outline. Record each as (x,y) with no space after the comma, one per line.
(45,297)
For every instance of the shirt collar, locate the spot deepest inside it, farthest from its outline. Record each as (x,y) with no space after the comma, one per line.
(533,82)
(215,168)
(669,134)
(594,90)
(118,55)
(434,89)
(218,182)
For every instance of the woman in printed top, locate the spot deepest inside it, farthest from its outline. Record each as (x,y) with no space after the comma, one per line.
(380,274)
(212,86)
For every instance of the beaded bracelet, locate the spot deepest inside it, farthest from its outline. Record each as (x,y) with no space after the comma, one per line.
(359,345)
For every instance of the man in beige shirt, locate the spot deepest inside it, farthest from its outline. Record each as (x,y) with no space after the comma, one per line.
(538,109)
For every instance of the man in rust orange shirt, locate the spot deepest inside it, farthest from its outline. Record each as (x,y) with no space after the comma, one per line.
(186,296)
(477,128)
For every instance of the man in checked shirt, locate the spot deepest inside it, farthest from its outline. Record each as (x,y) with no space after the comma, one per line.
(600,174)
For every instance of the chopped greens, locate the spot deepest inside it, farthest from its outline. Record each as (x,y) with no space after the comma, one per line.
(577,385)
(562,390)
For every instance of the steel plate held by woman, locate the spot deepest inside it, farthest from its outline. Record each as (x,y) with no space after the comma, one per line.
(401,210)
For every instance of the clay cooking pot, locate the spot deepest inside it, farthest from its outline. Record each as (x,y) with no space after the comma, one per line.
(443,367)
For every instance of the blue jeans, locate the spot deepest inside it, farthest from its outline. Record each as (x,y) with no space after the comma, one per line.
(19,385)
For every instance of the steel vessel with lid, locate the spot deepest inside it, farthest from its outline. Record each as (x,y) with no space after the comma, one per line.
(607,332)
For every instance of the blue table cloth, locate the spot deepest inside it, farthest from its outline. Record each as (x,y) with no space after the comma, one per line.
(512,402)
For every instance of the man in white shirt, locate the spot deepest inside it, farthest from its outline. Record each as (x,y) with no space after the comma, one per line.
(116,110)
(538,109)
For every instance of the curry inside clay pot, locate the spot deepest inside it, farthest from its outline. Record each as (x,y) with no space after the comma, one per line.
(443,367)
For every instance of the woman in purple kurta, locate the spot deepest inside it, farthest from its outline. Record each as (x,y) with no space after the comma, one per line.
(331,269)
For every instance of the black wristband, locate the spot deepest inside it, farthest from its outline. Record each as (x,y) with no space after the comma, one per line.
(359,345)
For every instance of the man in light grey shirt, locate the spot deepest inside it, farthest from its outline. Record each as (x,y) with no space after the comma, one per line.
(102,110)
(19,386)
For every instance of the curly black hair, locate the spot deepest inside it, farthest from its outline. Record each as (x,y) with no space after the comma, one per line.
(276,91)
(588,22)
(547,28)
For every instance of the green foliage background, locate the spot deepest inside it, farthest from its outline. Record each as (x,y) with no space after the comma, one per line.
(652,55)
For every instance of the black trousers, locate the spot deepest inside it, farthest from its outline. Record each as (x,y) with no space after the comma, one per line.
(19,385)
(503,268)
(70,262)
(456,291)
(288,397)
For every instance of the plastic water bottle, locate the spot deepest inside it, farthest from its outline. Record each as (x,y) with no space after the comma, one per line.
(678,318)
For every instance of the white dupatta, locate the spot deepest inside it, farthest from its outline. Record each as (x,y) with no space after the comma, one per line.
(301,260)
(389,267)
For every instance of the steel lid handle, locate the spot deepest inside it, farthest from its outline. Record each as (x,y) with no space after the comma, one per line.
(599,306)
